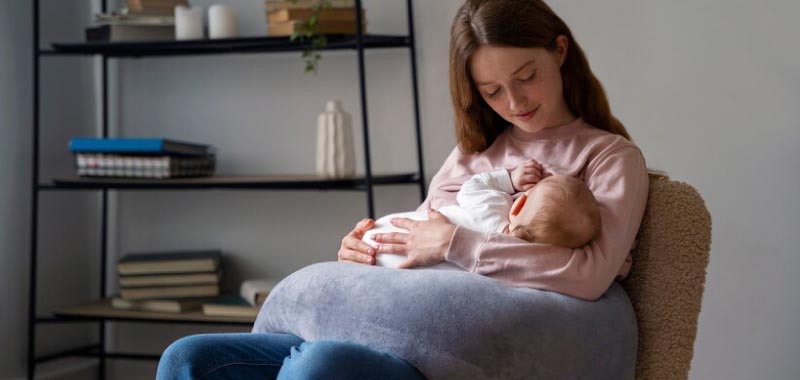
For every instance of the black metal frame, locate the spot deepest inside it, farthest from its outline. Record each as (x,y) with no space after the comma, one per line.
(239,45)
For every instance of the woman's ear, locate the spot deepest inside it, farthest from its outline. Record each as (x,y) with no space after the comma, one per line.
(562,48)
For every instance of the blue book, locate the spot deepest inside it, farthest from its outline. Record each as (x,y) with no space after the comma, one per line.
(143,146)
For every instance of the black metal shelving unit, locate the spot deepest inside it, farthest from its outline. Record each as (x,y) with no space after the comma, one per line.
(248,45)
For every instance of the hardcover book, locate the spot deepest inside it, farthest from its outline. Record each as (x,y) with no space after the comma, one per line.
(324,27)
(112,165)
(326,15)
(229,306)
(142,146)
(276,4)
(169,262)
(169,292)
(161,306)
(170,280)
(129,33)
(158,7)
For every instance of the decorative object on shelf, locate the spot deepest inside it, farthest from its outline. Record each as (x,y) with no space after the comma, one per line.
(308,21)
(221,22)
(188,23)
(335,150)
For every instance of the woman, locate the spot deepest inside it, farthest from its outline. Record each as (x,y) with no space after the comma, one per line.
(522,89)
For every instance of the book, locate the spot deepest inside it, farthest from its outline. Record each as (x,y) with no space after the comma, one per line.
(112,165)
(169,292)
(158,7)
(133,19)
(169,262)
(230,306)
(272,5)
(143,146)
(301,14)
(255,292)
(160,306)
(129,33)
(170,279)
(332,27)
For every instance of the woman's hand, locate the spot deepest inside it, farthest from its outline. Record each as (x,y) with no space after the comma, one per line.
(425,243)
(353,249)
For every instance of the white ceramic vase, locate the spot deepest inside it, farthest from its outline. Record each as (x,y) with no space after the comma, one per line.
(335,150)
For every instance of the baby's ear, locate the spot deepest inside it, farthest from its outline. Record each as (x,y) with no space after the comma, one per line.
(519,204)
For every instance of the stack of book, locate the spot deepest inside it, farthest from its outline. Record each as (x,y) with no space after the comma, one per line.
(168,282)
(285,18)
(141,158)
(141,20)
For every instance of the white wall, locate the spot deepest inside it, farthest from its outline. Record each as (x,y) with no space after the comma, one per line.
(709,89)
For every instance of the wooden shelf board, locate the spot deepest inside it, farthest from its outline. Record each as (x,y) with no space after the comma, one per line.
(102,310)
(220,46)
(276,182)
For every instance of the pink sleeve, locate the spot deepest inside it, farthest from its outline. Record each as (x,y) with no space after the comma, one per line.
(448,177)
(620,183)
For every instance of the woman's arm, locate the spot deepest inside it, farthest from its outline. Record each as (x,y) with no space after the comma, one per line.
(619,182)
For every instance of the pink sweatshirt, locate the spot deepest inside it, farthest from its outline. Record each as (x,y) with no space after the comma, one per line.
(611,166)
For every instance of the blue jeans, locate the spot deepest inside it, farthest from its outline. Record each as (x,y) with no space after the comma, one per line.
(277,356)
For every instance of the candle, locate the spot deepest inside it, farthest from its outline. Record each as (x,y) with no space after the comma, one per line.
(188,23)
(221,22)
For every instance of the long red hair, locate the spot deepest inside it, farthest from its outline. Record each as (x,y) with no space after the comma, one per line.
(525,24)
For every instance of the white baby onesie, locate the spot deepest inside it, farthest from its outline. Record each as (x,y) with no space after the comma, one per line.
(484,202)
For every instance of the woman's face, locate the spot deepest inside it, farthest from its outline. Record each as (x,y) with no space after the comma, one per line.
(523,85)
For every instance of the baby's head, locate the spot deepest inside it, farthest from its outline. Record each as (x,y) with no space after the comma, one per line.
(559,210)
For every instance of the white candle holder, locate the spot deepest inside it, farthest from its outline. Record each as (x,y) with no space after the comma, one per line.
(188,23)
(221,22)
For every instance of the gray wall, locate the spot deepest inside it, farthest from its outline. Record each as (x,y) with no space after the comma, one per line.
(708,89)
(68,264)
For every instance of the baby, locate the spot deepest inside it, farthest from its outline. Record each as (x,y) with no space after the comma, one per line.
(556,210)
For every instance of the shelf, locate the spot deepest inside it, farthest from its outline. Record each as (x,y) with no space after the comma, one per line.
(219,46)
(283,182)
(102,310)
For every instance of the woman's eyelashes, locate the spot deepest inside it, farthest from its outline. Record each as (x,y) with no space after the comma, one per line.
(529,78)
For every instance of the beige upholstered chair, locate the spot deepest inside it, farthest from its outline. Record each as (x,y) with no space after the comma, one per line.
(668,277)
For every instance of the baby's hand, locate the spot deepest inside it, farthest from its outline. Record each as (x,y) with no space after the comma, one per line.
(527,175)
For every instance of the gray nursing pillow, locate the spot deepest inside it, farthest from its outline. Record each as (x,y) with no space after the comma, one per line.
(457,325)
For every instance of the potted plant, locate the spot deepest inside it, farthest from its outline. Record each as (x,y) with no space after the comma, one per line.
(308,33)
